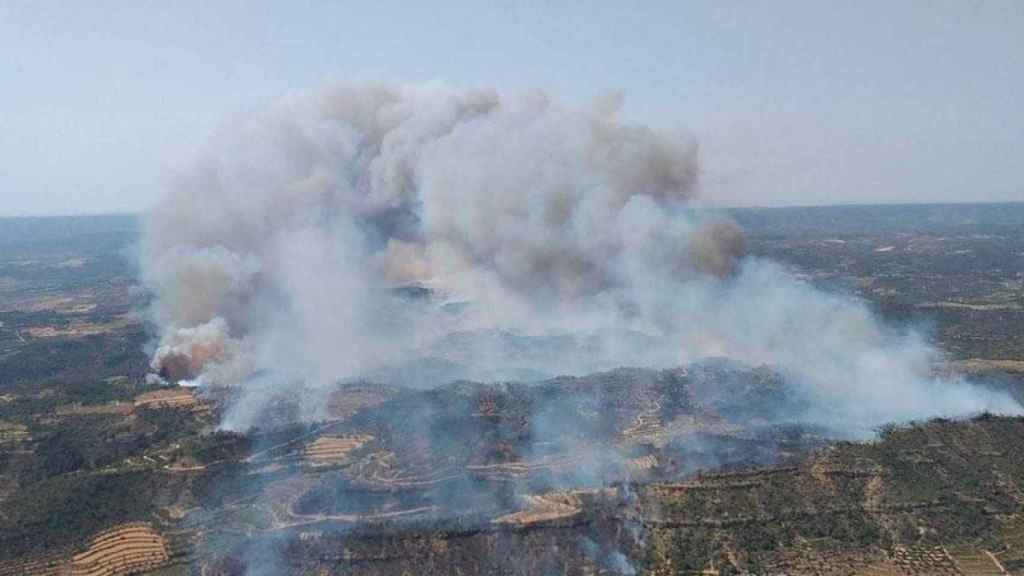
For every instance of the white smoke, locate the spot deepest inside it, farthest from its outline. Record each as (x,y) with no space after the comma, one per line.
(275,260)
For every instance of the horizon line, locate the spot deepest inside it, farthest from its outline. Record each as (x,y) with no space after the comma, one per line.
(139,213)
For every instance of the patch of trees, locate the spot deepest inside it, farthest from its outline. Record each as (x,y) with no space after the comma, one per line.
(65,510)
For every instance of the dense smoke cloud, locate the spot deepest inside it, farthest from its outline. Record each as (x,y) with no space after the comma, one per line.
(549,239)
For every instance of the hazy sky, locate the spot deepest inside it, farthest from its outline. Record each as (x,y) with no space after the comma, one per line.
(793,102)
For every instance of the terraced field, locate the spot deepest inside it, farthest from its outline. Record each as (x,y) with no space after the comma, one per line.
(924,560)
(333,450)
(134,548)
(179,398)
(544,508)
(127,549)
(975,562)
(12,434)
(1011,535)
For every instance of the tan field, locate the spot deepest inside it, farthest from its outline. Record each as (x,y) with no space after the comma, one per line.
(134,548)
(332,450)
(78,329)
(974,365)
(127,549)
(544,508)
(12,433)
(178,397)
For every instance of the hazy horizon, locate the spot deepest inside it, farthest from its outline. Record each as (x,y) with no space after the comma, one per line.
(793,104)
(140,213)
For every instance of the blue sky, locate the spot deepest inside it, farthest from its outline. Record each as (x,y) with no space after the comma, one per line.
(793,102)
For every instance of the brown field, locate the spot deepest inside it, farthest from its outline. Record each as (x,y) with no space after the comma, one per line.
(645,425)
(805,559)
(976,562)
(177,397)
(1012,537)
(115,408)
(75,330)
(544,508)
(180,398)
(78,329)
(924,560)
(975,365)
(809,557)
(134,548)
(53,303)
(68,303)
(642,464)
(333,450)
(12,433)
(127,549)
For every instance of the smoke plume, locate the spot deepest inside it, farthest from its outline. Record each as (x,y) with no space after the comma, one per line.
(381,229)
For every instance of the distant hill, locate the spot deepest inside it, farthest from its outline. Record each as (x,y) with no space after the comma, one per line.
(998,218)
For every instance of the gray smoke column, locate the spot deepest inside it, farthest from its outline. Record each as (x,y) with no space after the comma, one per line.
(275,260)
